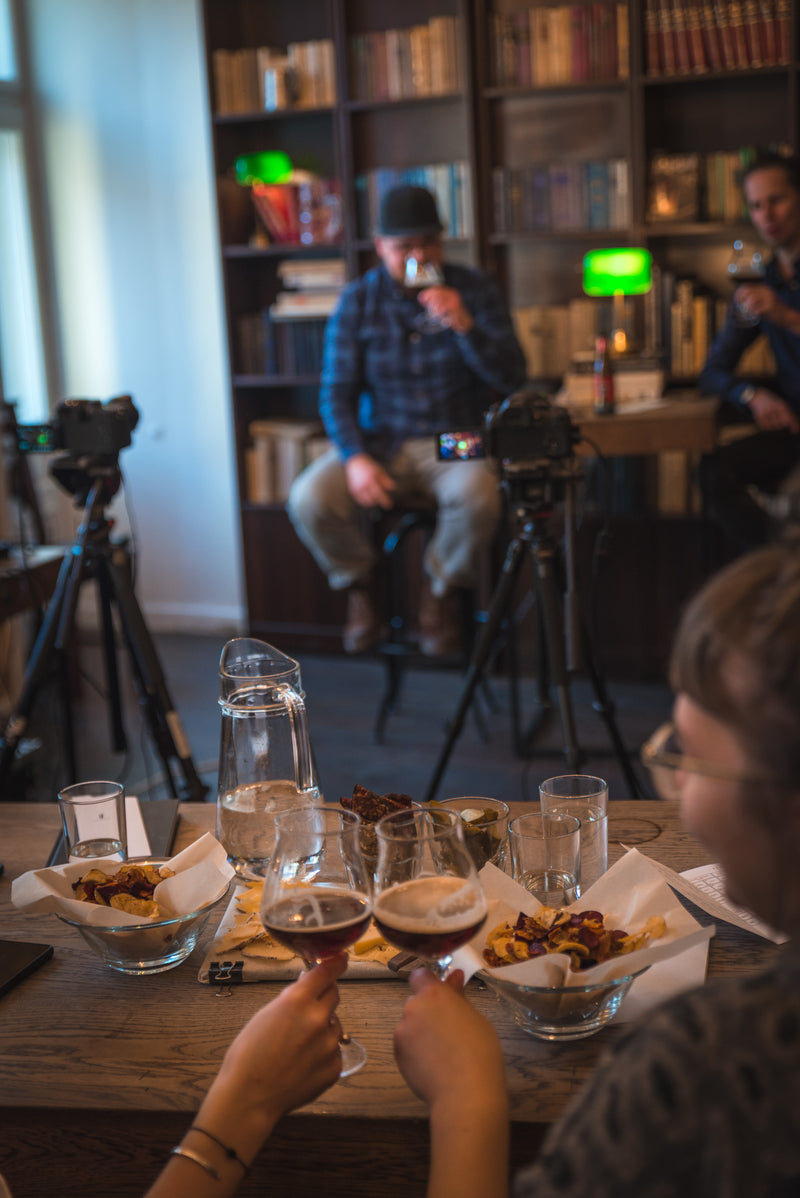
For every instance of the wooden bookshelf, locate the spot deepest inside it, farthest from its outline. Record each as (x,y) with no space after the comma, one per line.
(491,117)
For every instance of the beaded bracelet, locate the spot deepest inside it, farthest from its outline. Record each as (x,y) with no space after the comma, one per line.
(231,1153)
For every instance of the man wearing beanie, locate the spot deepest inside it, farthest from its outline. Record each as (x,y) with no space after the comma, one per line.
(399,368)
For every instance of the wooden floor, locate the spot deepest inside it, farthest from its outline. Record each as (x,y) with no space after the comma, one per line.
(343,695)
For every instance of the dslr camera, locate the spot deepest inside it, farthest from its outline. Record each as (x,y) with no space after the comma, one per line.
(528,430)
(83,428)
(524,431)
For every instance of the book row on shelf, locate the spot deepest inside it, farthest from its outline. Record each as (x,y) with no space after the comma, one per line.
(397,64)
(561,195)
(272,344)
(547,47)
(265,79)
(684,38)
(450,182)
(691,186)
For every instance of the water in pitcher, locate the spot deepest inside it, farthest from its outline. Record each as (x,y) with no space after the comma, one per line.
(246,825)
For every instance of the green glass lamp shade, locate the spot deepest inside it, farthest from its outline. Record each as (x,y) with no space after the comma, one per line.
(617,272)
(265,166)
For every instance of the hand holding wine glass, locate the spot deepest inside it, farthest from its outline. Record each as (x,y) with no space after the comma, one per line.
(745,267)
(418,276)
(316,897)
(428,899)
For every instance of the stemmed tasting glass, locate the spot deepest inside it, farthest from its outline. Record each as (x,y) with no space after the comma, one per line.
(316,897)
(427,897)
(418,276)
(745,266)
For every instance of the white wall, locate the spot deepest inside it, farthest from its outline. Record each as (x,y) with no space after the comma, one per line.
(138,287)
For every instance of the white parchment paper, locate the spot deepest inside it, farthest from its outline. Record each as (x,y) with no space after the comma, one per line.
(627,895)
(202,873)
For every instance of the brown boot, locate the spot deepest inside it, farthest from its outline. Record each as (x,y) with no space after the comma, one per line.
(363,629)
(440,626)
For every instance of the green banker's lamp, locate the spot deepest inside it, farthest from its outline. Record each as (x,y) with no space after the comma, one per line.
(617,273)
(264,166)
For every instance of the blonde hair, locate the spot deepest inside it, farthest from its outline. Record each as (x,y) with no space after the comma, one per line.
(737,654)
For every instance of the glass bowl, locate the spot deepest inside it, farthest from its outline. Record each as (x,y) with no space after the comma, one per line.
(563,1012)
(487,840)
(149,947)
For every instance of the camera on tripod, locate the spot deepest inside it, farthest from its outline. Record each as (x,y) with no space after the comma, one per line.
(524,431)
(91,433)
(83,427)
(528,431)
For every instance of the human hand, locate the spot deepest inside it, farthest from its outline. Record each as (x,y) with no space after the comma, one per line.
(368,482)
(444,1048)
(285,1056)
(758,299)
(447,307)
(770,412)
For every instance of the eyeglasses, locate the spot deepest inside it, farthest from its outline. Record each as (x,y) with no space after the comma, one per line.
(663,751)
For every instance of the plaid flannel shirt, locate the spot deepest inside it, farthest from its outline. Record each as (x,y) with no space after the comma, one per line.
(384,382)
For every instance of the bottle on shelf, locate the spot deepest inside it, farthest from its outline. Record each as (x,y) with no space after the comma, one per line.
(603,378)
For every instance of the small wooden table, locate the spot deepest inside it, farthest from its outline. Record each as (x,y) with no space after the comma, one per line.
(27,580)
(687,423)
(100,1072)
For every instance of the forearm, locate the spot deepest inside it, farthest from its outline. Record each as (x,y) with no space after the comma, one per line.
(718,376)
(224,1139)
(469,1150)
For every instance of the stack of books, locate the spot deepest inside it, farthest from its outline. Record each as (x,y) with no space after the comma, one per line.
(287,337)
(280,450)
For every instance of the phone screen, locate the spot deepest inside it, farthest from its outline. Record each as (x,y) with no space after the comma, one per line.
(19,958)
(460,447)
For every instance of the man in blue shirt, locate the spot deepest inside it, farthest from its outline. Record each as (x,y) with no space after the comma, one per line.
(399,368)
(771,308)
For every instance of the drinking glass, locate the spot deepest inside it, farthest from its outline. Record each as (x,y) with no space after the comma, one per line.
(586,797)
(418,276)
(546,856)
(93,817)
(316,897)
(485,827)
(745,266)
(428,899)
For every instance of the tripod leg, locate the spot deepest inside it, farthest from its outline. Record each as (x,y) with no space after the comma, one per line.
(605,708)
(118,738)
(164,720)
(547,592)
(482,652)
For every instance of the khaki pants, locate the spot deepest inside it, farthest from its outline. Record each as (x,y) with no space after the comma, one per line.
(330,523)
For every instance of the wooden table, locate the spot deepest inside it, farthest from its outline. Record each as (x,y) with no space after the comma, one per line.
(100,1072)
(688,424)
(28,579)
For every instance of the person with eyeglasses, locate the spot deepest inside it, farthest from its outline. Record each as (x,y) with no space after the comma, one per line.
(702,1100)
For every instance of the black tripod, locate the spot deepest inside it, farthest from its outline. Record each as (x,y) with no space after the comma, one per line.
(93,555)
(532,495)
